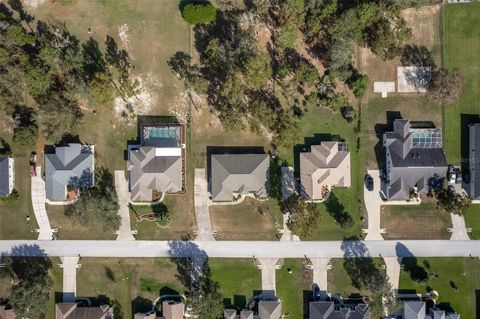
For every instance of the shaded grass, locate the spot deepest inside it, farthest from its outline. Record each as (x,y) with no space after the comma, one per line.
(128,287)
(461,47)
(249,220)
(444,275)
(294,290)
(424,221)
(239,280)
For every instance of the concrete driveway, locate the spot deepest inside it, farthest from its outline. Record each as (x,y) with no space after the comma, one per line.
(121,187)
(69,265)
(202,215)
(459,230)
(45,231)
(320,267)
(373,203)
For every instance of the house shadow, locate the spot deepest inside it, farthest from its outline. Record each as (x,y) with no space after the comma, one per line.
(141,305)
(69,139)
(305,147)
(165,290)
(465,120)
(477,303)
(380,129)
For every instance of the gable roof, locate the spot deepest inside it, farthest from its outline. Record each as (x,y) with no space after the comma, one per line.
(172,309)
(242,173)
(72,311)
(269,309)
(149,171)
(474,161)
(69,165)
(414,310)
(6,312)
(320,309)
(327,310)
(4,176)
(229,314)
(326,164)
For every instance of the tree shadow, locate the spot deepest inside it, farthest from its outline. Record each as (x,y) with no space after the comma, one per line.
(109,273)
(338,212)
(141,305)
(410,264)
(419,56)
(94,60)
(189,259)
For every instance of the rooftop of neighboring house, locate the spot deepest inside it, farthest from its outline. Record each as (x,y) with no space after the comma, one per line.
(69,165)
(6,312)
(72,311)
(326,164)
(267,309)
(418,310)
(414,158)
(172,309)
(474,161)
(157,163)
(330,310)
(239,173)
(6,170)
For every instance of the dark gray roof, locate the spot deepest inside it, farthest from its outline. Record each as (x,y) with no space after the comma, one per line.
(269,309)
(229,314)
(242,173)
(414,156)
(4,176)
(148,172)
(474,161)
(327,310)
(414,310)
(69,165)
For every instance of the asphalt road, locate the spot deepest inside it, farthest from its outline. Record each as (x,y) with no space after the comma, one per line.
(243,249)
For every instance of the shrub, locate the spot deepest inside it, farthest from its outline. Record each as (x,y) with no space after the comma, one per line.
(163,220)
(348,113)
(358,84)
(199,12)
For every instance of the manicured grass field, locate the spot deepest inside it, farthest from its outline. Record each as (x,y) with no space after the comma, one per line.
(424,221)
(321,124)
(239,280)
(472,220)
(13,213)
(295,289)
(132,283)
(249,220)
(461,46)
(456,280)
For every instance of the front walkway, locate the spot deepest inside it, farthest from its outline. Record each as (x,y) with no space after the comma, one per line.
(287,234)
(121,187)
(392,265)
(69,265)
(45,231)
(202,215)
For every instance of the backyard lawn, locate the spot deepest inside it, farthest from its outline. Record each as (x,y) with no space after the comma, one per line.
(13,213)
(423,221)
(295,289)
(249,220)
(131,284)
(456,279)
(461,47)
(239,280)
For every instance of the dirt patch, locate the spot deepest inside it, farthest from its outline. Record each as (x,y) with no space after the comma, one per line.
(33,3)
(301,48)
(123,35)
(424,23)
(140,103)
(264,39)
(423,222)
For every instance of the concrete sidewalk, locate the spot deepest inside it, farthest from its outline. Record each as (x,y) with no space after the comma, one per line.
(121,187)
(45,231)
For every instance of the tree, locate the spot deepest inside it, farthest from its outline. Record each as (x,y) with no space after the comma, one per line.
(205,298)
(452,202)
(97,204)
(304,217)
(25,132)
(258,71)
(29,293)
(358,84)
(38,80)
(446,86)
(198,12)
(348,113)
(181,64)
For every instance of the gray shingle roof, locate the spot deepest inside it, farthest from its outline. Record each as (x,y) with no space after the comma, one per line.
(414,310)
(269,309)
(149,172)
(327,310)
(69,165)
(474,161)
(242,173)
(4,176)
(415,156)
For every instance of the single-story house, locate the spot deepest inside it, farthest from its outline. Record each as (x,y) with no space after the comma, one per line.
(418,310)
(70,165)
(170,310)
(474,161)
(414,159)
(324,166)
(267,309)
(7,176)
(329,310)
(239,174)
(156,165)
(73,311)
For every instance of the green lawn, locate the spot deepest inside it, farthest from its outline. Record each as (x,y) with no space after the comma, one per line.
(321,124)
(132,284)
(461,47)
(472,220)
(457,281)
(239,280)
(13,213)
(295,289)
